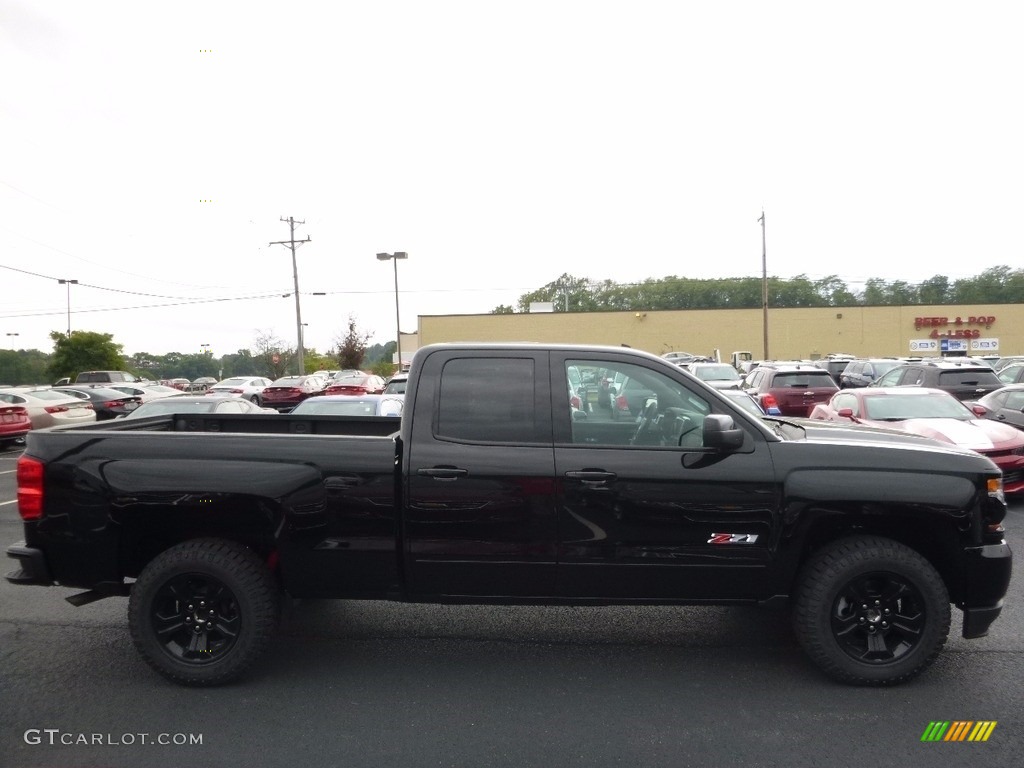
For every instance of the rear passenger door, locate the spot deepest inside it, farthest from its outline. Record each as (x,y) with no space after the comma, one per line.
(480,510)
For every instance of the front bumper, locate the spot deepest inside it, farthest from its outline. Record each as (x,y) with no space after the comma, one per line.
(987,569)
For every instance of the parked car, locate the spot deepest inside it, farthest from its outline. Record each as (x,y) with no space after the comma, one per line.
(197,404)
(358,383)
(682,358)
(106,402)
(748,403)
(146,392)
(180,384)
(288,391)
(49,407)
(201,384)
(627,396)
(792,387)
(718,375)
(1011,374)
(100,377)
(351,405)
(396,384)
(965,381)
(1002,362)
(14,422)
(835,365)
(934,414)
(249,387)
(1005,405)
(863,372)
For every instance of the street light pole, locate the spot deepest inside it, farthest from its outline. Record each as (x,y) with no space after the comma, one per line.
(764,285)
(394,257)
(68,283)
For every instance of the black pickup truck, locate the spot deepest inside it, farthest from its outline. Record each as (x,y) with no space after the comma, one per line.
(528,474)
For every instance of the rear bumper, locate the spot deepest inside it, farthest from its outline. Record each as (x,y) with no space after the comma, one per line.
(33,570)
(988,570)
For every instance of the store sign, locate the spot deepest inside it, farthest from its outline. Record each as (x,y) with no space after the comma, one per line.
(953,345)
(941,326)
(917,346)
(984,345)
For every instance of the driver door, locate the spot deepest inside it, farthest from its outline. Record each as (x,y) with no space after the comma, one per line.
(643,507)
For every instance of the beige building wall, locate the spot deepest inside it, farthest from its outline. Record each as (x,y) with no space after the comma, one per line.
(792,333)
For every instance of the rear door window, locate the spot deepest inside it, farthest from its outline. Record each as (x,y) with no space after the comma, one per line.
(490,400)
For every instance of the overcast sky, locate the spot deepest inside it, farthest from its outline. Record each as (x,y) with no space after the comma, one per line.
(151,149)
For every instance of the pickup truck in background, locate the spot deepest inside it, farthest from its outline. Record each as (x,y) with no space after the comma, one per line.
(507,484)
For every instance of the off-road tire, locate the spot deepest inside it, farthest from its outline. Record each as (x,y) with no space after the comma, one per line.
(219,586)
(871,611)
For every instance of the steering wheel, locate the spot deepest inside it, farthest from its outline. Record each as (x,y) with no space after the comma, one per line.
(647,416)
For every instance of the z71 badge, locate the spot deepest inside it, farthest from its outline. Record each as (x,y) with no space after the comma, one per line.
(732,538)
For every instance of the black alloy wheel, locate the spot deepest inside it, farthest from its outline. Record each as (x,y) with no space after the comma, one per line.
(878,617)
(196,618)
(201,612)
(871,611)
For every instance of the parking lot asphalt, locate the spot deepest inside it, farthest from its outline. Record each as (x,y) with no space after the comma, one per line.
(376,683)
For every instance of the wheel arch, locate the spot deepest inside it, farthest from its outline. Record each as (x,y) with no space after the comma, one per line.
(934,534)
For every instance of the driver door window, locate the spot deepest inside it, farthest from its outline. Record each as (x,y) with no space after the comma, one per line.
(621,404)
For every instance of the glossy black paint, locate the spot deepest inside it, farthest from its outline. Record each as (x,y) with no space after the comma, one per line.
(423,515)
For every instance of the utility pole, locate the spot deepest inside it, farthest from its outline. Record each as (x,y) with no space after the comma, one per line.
(764,285)
(292,243)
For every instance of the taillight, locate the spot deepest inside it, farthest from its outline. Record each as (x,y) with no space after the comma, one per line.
(113,404)
(236,391)
(575,402)
(30,488)
(55,408)
(768,401)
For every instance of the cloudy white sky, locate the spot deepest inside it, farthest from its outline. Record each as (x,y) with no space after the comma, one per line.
(150,150)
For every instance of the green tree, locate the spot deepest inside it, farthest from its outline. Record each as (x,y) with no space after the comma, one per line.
(84,351)
(352,347)
(383,368)
(24,366)
(567,293)
(934,290)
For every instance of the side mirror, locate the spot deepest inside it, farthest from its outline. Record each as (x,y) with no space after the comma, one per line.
(721,433)
(979,410)
(846,413)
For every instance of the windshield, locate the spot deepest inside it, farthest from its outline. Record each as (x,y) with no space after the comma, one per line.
(172,405)
(716,372)
(902,407)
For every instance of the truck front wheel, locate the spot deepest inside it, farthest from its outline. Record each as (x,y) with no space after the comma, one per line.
(871,611)
(203,611)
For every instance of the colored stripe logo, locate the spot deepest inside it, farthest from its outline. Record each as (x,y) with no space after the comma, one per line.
(959,730)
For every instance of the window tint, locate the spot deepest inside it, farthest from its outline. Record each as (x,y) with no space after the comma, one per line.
(621,404)
(489,400)
(1014,400)
(953,378)
(803,379)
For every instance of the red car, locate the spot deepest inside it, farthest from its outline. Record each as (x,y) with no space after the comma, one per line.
(355,384)
(288,391)
(14,423)
(935,414)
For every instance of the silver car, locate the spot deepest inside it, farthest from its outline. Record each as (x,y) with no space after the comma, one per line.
(50,407)
(249,387)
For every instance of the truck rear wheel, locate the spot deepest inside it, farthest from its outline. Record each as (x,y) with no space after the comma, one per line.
(203,611)
(871,611)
